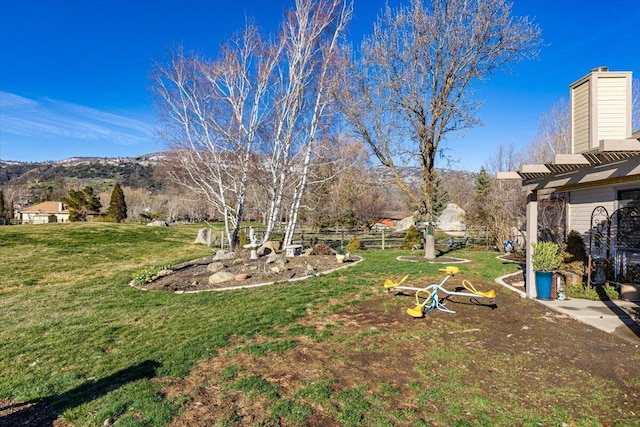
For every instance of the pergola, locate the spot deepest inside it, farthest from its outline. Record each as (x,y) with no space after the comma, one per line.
(611,162)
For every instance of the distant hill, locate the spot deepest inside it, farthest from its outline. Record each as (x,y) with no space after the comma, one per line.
(47,180)
(137,172)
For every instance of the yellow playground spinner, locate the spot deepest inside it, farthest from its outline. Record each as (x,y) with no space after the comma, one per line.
(427,298)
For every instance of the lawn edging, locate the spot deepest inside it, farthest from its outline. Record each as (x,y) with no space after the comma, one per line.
(500,281)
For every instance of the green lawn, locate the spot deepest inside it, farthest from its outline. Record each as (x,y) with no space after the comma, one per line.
(76,336)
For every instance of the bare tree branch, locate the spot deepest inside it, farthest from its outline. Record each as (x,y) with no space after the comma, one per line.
(411,87)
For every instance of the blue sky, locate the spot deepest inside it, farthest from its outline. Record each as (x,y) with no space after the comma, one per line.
(74,73)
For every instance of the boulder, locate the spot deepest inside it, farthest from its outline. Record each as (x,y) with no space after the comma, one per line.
(221,277)
(205,237)
(275,258)
(223,255)
(405,224)
(214,267)
(157,224)
(268,248)
(452,219)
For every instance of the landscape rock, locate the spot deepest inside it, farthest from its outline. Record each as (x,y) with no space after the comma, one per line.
(275,258)
(452,219)
(205,237)
(269,247)
(221,277)
(405,224)
(214,267)
(158,224)
(224,255)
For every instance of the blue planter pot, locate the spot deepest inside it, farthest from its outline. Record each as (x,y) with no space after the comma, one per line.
(544,280)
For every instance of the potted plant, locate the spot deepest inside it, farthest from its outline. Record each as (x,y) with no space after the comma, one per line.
(573,272)
(340,255)
(575,259)
(546,260)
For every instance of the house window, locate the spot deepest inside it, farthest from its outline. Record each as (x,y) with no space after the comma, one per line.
(629,198)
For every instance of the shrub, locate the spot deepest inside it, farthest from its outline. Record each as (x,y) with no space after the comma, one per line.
(597,293)
(575,249)
(546,256)
(354,245)
(322,249)
(243,239)
(411,238)
(148,274)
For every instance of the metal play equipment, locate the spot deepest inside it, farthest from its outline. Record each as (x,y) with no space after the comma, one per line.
(430,294)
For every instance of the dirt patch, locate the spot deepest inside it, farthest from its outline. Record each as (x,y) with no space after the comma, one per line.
(438,260)
(511,352)
(194,276)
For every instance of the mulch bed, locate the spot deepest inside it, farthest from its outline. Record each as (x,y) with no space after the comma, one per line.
(193,276)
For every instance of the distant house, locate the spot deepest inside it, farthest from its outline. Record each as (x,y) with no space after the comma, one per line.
(44,213)
(599,180)
(390,220)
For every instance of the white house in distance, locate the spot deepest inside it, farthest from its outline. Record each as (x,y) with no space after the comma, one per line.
(44,213)
(599,180)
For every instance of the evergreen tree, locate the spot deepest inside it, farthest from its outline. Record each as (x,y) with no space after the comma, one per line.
(3,212)
(440,198)
(483,183)
(480,208)
(92,201)
(411,238)
(117,206)
(82,202)
(12,211)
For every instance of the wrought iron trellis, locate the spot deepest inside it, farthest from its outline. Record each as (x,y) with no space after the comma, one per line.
(625,225)
(599,246)
(622,229)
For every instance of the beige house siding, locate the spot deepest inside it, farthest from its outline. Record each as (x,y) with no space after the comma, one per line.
(580,117)
(583,202)
(44,213)
(612,108)
(600,109)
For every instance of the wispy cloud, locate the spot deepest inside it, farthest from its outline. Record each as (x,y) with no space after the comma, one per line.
(48,119)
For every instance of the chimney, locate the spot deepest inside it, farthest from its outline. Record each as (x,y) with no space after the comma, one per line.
(600,108)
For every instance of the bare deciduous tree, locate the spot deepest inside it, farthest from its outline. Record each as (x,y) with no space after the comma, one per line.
(411,87)
(259,106)
(553,135)
(213,112)
(311,37)
(342,190)
(504,159)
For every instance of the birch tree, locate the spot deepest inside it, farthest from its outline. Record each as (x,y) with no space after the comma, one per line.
(311,37)
(260,106)
(410,90)
(213,113)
